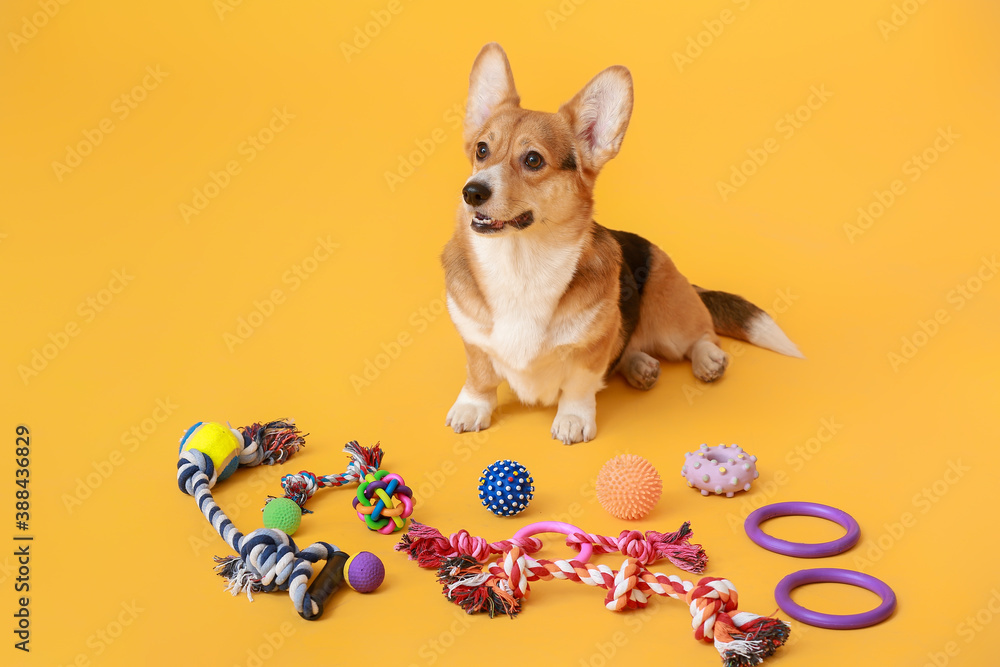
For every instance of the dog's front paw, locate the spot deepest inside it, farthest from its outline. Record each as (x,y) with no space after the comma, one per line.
(571,429)
(468,416)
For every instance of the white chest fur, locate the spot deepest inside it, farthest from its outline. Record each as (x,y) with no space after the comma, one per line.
(523,282)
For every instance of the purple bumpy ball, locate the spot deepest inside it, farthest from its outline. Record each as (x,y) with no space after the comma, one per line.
(365,572)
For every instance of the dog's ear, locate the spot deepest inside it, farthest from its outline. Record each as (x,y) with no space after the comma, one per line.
(599,115)
(491,86)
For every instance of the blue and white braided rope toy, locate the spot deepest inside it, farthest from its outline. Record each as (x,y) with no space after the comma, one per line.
(268,559)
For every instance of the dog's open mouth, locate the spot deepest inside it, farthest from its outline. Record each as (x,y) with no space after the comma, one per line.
(484,224)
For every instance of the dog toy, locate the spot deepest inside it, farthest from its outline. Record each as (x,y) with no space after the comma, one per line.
(382,508)
(798,549)
(282,514)
(720,469)
(782,593)
(219,442)
(628,487)
(825,575)
(431,549)
(268,559)
(393,502)
(506,488)
(476,584)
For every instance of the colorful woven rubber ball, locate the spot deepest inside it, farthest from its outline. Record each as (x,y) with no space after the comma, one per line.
(628,487)
(283,514)
(506,487)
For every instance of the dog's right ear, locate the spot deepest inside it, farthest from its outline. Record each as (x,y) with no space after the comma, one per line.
(491,86)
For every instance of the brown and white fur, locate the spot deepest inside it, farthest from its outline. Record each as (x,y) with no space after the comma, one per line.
(543,296)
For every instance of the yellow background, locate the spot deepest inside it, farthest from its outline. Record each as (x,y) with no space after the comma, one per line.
(125,546)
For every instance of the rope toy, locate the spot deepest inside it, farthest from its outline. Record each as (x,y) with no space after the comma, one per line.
(383,500)
(268,559)
(431,549)
(720,470)
(742,639)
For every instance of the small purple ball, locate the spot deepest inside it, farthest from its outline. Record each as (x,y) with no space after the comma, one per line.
(364,572)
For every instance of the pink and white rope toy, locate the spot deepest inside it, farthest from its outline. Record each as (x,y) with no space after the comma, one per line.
(477,584)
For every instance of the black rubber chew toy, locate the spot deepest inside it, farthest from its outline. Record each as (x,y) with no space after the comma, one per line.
(327,582)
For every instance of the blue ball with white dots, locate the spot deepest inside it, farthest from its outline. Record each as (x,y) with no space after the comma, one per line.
(506,488)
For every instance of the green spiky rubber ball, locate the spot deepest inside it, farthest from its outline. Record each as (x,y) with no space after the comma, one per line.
(282,514)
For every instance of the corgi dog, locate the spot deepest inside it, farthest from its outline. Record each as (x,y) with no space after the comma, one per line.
(542,295)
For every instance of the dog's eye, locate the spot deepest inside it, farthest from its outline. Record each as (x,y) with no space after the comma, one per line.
(482,150)
(533,161)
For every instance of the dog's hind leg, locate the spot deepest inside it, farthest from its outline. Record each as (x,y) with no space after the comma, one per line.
(640,369)
(674,323)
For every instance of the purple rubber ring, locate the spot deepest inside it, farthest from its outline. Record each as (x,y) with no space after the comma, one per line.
(832,575)
(801,549)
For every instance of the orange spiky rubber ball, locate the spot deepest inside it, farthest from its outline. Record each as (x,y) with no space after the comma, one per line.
(628,487)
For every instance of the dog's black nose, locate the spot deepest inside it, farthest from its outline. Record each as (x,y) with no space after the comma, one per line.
(475,193)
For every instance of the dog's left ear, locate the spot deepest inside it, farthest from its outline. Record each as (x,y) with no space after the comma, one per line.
(599,115)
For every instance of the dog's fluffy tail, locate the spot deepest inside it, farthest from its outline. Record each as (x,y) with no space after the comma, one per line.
(736,317)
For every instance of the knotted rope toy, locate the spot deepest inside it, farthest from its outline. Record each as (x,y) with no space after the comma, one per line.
(477,584)
(268,559)
(383,501)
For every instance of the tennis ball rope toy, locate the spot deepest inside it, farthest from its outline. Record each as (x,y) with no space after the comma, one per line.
(383,501)
(742,638)
(268,559)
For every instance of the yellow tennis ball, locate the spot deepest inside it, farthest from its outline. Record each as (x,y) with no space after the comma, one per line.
(218,442)
(628,487)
